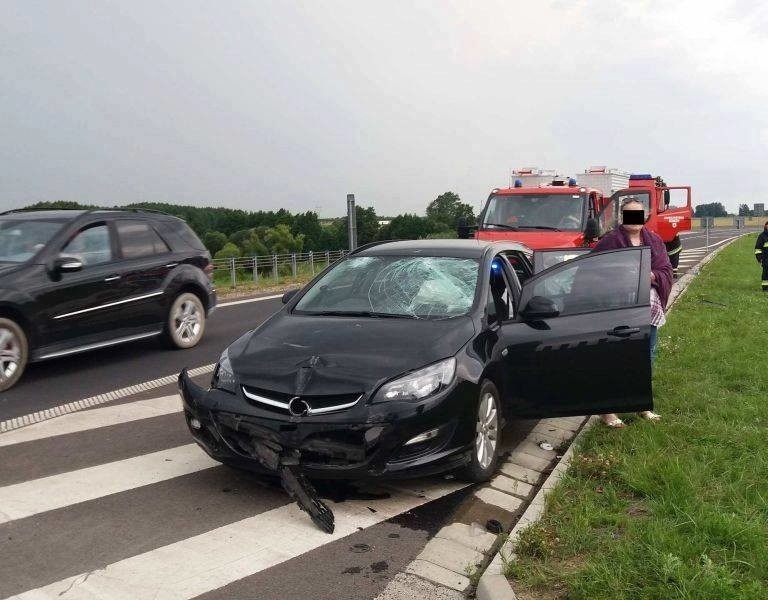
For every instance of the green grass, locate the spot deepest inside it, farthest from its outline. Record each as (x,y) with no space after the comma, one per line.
(676,509)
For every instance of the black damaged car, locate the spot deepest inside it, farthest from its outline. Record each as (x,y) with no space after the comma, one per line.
(406,358)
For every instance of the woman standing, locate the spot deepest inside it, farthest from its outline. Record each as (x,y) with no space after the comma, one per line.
(632,232)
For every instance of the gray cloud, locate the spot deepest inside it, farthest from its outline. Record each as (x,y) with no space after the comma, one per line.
(262,105)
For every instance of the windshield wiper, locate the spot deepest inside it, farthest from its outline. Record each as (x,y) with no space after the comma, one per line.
(539,227)
(360,313)
(502,225)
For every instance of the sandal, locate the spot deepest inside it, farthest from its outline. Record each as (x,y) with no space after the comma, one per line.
(615,423)
(649,415)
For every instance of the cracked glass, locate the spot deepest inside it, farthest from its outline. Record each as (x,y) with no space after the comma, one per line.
(409,286)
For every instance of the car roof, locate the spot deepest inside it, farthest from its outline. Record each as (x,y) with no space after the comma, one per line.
(449,247)
(46,215)
(70,214)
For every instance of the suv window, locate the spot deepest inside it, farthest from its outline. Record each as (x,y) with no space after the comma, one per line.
(138,239)
(183,230)
(90,246)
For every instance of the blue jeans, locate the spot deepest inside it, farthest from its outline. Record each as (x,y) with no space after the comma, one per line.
(654,344)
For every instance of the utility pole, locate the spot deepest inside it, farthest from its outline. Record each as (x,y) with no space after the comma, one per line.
(351,222)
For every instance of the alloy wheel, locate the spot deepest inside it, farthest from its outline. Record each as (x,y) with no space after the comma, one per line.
(187,321)
(10,354)
(486,430)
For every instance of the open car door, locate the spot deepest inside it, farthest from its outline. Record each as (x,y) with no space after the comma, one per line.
(580,342)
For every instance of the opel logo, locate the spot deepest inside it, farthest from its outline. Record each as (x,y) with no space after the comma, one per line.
(298,407)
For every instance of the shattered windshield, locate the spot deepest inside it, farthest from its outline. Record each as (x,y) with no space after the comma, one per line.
(390,286)
(562,212)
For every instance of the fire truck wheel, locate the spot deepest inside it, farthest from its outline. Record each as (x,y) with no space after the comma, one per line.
(673,250)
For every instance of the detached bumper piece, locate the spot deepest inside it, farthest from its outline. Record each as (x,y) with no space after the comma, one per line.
(259,444)
(298,487)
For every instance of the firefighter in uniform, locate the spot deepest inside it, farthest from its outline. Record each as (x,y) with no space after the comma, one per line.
(761,254)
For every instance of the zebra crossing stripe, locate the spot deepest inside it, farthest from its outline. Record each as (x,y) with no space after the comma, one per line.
(78,405)
(32,497)
(214,559)
(92,419)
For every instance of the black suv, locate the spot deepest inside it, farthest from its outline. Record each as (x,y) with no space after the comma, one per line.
(72,281)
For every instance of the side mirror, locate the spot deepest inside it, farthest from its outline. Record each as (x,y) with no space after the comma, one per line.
(666,197)
(591,231)
(288,295)
(67,264)
(539,307)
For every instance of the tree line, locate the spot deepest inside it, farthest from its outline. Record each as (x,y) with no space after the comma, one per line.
(228,232)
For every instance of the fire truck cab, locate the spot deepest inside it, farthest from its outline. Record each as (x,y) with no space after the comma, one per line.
(540,210)
(543,210)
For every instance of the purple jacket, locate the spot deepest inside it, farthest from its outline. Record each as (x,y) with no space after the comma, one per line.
(660,264)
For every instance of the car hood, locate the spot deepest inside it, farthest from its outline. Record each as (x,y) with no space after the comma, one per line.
(306,355)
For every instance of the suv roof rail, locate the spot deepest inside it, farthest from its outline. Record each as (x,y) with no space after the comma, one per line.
(87,210)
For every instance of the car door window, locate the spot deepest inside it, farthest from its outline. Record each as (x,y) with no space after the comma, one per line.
(91,246)
(138,240)
(500,305)
(602,281)
(546,258)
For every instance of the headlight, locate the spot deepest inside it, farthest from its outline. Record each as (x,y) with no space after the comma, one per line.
(223,377)
(419,384)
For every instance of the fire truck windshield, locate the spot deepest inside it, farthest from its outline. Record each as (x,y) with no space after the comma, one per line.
(560,212)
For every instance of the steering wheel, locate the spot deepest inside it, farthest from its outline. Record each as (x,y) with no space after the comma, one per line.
(569,222)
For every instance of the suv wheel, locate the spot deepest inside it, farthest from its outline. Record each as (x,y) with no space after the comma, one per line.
(487,430)
(186,321)
(14,353)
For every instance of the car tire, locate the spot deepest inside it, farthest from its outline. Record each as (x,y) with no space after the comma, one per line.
(185,323)
(14,353)
(487,436)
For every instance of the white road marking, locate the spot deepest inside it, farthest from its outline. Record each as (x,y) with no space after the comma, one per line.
(94,419)
(78,405)
(29,498)
(211,560)
(248,300)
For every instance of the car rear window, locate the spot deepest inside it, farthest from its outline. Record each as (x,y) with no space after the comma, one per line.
(139,239)
(184,231)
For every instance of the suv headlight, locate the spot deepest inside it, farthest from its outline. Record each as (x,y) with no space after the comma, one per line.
(419,384)
(223,376)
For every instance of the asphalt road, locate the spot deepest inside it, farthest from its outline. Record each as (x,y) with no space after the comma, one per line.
(114,501)
(59,381)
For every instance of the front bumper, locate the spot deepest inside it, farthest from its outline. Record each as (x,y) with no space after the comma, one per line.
(366,441)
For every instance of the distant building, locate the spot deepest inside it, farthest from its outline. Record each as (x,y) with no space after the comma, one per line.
(759,210)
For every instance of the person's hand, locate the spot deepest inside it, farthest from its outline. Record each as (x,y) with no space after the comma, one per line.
(653,277)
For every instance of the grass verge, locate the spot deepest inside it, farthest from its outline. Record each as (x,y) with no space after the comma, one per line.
(676,509)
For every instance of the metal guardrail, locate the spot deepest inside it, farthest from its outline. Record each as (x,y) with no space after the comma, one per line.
(263,268)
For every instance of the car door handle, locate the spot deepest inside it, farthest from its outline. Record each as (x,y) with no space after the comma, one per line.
(623,331)
(171,265)
(113,278)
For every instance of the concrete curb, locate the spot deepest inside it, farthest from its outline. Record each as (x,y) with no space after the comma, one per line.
(493,585)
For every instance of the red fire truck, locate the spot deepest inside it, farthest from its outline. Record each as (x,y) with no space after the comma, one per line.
(543,210)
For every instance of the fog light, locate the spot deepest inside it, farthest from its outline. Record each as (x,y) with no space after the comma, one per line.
(194,423)
(423,437)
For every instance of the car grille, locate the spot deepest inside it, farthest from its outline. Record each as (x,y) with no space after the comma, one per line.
(316,405)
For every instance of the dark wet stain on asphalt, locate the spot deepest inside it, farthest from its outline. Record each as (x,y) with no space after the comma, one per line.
(352,570)
(380,566)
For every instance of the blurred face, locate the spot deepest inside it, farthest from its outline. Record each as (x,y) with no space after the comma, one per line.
(632,206)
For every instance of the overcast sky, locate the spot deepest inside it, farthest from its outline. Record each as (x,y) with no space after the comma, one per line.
(262,105)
